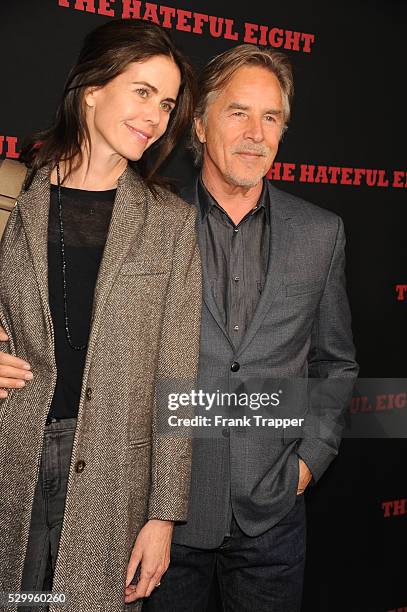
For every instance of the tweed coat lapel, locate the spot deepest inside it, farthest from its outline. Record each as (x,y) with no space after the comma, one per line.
(279,240)
(128,215)
(33,206)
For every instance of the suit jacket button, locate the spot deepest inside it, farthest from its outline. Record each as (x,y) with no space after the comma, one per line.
(88,393)
(225,433)
(79,467)
(235,366)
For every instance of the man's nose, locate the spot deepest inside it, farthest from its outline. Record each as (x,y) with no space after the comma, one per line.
(254,129)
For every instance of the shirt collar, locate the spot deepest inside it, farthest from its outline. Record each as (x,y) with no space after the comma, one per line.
(207,201)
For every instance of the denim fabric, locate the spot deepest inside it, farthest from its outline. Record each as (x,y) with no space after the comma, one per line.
(48,507)
(263,573)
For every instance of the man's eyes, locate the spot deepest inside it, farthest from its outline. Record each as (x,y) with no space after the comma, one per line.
(268,118)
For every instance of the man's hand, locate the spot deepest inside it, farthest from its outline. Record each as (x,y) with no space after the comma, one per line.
(13,371)
(151,551)
(304,477)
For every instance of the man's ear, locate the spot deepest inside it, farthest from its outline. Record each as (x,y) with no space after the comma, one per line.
(200,129)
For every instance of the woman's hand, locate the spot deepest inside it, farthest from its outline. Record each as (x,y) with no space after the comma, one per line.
(13,371)
(151,551)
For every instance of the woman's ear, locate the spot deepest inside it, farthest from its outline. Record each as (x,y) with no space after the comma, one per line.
(90,97)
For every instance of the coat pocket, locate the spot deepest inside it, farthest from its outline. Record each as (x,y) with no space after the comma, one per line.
(144,268)
(139,442)
(303,288)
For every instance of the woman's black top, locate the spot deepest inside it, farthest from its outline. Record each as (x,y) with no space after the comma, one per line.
(86,218)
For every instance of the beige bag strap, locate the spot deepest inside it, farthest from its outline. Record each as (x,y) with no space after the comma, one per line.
(12,176)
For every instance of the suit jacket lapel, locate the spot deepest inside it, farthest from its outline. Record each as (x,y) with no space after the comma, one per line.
(279,239)
(190,195)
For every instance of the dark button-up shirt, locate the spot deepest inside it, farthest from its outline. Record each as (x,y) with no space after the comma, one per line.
(236,259)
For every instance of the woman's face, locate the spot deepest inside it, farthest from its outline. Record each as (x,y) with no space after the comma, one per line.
(132,111)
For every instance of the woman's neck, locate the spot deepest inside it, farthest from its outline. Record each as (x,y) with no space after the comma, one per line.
(100,175)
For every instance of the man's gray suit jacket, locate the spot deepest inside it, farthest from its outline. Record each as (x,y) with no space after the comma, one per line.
(301,328)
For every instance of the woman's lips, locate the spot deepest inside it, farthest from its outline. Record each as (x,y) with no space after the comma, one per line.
(143,136)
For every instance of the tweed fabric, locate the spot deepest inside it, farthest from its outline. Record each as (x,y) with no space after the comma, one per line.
(145,325)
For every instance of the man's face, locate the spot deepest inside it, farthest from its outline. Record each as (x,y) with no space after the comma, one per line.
(242,128)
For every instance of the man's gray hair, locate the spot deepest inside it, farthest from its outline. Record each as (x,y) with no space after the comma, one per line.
(219,71)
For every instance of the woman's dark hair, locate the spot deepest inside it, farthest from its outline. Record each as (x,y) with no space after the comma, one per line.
(106,52)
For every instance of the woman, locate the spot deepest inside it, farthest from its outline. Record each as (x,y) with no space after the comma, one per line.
(100,299)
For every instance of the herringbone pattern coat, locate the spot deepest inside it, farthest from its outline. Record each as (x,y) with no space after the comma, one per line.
(145,325)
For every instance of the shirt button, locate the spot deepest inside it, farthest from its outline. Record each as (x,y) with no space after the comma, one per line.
(236,328)
(236,279)
(236,230)
(225,433)
(235,366)
(88,393)
(79,467)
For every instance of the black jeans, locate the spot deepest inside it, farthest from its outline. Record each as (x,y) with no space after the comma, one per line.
(255,574)
(48,507)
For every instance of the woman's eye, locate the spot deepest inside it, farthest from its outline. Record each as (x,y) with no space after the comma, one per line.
(142,92)
(166,107)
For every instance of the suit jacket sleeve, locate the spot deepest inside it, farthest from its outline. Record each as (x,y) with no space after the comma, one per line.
(178,362)
(332,359)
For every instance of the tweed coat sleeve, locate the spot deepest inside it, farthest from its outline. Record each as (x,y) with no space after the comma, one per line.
(178,362)
(331,356)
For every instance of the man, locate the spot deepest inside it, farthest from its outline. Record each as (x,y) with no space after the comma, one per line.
(275,306)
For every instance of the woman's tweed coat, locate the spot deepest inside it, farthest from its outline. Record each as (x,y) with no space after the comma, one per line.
(145,326)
